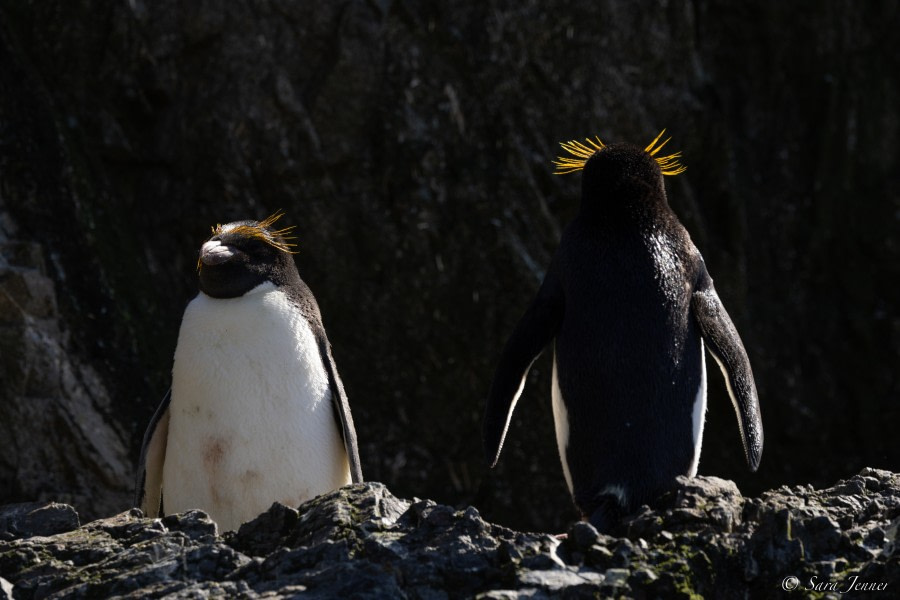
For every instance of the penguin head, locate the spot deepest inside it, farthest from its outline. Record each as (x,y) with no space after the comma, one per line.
(241,255)
(620,178)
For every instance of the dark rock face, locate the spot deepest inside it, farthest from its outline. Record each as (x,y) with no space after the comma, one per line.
(57,440)
(410,143)
(361,541)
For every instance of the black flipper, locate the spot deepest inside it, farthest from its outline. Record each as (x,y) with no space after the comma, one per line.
(535,330)
(341,407)
(148,482)
(725,345)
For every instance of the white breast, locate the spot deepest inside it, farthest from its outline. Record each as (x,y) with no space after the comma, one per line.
(251,419)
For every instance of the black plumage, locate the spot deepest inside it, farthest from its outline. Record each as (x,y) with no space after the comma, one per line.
(625,302)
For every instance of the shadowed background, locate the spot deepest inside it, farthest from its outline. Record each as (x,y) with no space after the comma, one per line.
(411,147)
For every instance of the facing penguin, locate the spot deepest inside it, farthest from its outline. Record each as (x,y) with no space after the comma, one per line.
(257,412)
(629,305)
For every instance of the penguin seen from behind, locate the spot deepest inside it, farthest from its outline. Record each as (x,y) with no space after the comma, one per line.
(629,307)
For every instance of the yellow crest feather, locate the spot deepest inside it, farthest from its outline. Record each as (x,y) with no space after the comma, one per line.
(581,152)
(277,238)
(261,232)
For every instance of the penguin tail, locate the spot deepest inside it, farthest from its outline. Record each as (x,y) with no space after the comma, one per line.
(607,513)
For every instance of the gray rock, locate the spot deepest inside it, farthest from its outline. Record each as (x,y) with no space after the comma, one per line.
(54,434)
(362,541)
(195,524)
(583,535)
(36,518)
(6,589)
(556,580)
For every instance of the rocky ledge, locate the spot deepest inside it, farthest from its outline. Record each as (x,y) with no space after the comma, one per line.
(704,539)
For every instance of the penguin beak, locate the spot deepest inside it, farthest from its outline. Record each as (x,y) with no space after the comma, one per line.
(215,252)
